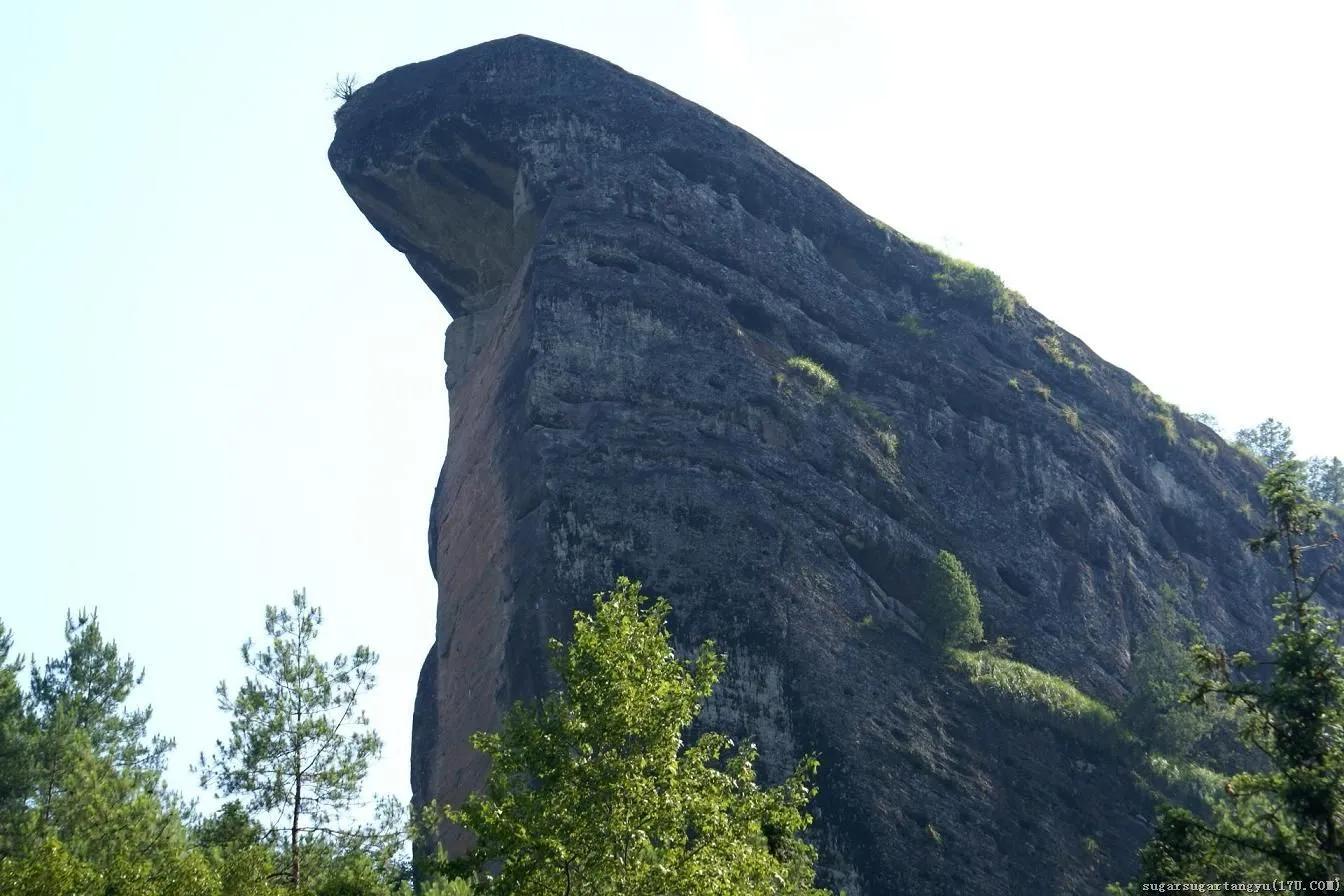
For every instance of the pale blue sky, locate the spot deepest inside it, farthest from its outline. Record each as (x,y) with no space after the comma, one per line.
(219,384)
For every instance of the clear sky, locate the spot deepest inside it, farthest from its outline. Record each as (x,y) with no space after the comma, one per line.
(219,384)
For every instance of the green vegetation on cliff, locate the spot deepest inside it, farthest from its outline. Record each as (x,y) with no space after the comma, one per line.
(1054,349)
(952,608)
(823,384)
(1162,412)
(1037,696)
(817,377)
(976,286)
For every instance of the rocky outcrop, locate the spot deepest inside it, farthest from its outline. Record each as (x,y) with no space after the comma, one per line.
(627,276)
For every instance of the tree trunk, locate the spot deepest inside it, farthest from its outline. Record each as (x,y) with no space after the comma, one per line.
(294,837)
(298,781)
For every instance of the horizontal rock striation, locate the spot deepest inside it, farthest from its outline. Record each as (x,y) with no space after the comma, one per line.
(628,276)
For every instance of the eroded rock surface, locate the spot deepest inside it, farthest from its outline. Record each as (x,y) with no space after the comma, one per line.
(627,275)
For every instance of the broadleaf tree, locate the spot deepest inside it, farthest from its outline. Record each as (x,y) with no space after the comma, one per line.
(299,745)
(594,790)
(240,850)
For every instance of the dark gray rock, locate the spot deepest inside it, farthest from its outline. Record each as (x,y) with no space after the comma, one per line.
(627,275)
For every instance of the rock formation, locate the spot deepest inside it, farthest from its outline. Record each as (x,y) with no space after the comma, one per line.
(628,276)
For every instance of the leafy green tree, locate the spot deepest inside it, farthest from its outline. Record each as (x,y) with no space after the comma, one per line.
(953,604)
(337,870)
(46,868)
(594,790)
(1325,480)
(1270,441)
(447,886)
(1285,821)
(360,860)
(241,851)
(299,743)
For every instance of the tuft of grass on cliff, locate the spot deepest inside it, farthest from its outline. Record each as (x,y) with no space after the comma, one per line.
(971,284)
(1038,696)
(822,383)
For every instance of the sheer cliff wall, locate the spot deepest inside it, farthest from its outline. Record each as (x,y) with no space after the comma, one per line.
(627,276)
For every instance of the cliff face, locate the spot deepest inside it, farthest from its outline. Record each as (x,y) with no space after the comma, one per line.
(627,276)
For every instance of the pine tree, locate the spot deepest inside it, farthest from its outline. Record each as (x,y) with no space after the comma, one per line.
(299,745)
(17,743)
(86,692)
(95,818)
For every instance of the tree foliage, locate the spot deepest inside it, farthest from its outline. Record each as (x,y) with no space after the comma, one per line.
(1283,821)
(953,604)
(1325,480)
(1160,675)
(17,743)
(87,691)
(594,790)
(241,852)
(299,745)
(84,812)
(93,817)
(1270,441)
(1208,420)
